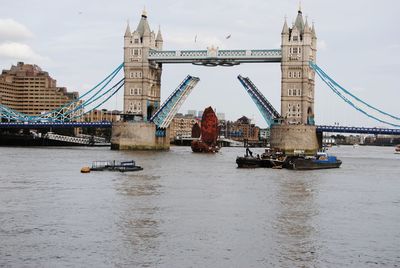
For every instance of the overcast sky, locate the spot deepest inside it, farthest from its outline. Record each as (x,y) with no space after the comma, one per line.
(80,42)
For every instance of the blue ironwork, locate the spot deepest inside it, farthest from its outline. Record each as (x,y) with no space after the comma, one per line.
(264,106)
(34,125)
(335,87)
(71,110)
(359,130)
(168,109)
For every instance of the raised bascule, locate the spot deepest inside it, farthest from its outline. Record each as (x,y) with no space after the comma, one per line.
(144,128)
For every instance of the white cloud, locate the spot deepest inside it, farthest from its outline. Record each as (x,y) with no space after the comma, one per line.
(19,52)
(13,30)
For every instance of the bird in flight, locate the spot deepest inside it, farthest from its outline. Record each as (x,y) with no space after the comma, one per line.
(227,37)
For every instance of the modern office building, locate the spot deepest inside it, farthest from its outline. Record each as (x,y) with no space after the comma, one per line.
(28,89)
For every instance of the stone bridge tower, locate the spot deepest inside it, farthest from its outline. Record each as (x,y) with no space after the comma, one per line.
(141,92)
(142,78)
(297,133)
(299,46)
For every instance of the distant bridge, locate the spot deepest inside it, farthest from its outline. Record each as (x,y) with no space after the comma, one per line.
(359,130)
(33,125)
(108,124)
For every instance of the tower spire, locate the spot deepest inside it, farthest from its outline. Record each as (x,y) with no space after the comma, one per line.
(285,29)
(144,13)
(128,29)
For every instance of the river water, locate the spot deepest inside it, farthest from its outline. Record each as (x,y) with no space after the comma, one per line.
(197,210)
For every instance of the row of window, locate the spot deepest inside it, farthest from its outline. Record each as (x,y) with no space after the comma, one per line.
(294,92)
(137,52)
(135,74)
(294,50)
(294,74)
(135,106)
(135,91)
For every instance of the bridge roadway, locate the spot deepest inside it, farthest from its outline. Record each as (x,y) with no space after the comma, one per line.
(107,124)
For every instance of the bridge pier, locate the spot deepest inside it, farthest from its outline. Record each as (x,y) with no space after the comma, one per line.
(137,136)
(291,138)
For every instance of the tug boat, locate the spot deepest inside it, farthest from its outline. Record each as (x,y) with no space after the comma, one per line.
(320,161)
(113,165)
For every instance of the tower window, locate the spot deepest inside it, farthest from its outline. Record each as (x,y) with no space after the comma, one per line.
(295,38)
(295,50)
(136,41)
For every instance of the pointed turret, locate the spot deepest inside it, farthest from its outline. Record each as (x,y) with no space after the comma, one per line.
(128,30)
(285,29)
(159,36)
(143,25)
(299,23)
(307,27)
(159,39)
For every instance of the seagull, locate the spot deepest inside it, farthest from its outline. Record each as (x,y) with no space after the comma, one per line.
(229,36)
(195,38)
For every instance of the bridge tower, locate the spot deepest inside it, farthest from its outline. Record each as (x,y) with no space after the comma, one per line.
(299,46)
(297,131)
(141,92)
(142,78)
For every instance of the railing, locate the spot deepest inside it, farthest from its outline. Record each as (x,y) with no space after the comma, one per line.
(57,137)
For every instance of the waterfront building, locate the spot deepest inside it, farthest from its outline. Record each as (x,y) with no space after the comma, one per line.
(28,89)
(181,126)
(102,115)
(242,130)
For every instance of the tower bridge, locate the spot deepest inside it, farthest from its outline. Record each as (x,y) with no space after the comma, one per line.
(146,120)
(143,60)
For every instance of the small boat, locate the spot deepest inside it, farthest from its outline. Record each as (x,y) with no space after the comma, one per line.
(269,159)
(252,162)
(113,165)
(320,161)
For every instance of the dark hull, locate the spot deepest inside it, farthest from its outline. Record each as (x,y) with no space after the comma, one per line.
(309,164)
(202,147)
(121,169)
(252,162)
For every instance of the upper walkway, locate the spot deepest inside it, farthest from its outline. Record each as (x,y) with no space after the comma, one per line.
(214,56)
